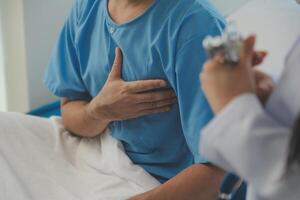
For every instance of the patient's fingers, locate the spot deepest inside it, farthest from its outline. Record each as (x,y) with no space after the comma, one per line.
(154,96)
(157,104)
(153,111)
(145,85)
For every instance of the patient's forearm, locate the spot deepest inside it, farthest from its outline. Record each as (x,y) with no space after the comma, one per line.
(198,182)
(77,119)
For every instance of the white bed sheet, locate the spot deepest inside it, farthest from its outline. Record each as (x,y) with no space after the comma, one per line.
(40,160)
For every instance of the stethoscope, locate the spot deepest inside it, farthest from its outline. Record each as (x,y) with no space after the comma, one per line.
(233,188)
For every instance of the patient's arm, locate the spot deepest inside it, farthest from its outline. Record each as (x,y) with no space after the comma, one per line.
(198,182)
(77,119)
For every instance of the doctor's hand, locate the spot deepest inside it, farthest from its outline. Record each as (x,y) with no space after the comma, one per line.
(264,85)
(120,100)
(222,83)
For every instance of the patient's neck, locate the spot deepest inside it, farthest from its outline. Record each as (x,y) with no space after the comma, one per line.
(122,11)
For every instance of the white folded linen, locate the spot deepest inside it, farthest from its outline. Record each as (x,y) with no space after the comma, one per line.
(40,160)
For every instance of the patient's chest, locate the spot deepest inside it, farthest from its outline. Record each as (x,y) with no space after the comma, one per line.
(139,63)
(96,46)
(144,134)
(142,60)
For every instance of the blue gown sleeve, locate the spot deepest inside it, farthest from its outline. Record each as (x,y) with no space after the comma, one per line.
(63,75)
(195,111)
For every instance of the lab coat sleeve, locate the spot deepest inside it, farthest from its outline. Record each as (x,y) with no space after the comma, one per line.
(245,140)
(63,73)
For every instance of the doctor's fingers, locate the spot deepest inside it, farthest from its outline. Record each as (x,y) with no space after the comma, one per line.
(144,85)
(258,57)
(264,82)
(263,91)
(150,97)
(247,52)
(215,64)
(262,76)
(157,104)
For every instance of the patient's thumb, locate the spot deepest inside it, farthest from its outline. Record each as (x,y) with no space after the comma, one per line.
(116,69)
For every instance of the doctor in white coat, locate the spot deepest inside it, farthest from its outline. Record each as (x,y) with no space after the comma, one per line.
(250,136)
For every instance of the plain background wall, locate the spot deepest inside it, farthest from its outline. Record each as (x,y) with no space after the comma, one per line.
(229,6)
(14,58)
(43,20)
(3,105)
(276,24)
(31,31)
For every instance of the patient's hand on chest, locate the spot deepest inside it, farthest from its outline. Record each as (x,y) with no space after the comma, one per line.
(119,100)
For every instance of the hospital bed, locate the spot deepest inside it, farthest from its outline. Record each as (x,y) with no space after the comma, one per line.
(231,188)
(48,110)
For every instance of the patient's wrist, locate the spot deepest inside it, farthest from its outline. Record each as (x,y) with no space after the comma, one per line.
(94,114)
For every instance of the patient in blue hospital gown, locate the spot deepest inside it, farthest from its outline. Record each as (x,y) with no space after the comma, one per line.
(161,42)
(164,42)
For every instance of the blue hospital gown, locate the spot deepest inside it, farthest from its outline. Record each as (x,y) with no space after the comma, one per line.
(165,42)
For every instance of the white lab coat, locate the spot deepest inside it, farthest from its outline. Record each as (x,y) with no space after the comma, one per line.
(253,141)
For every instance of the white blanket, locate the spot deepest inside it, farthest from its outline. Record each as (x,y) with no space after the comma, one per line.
(40,160)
